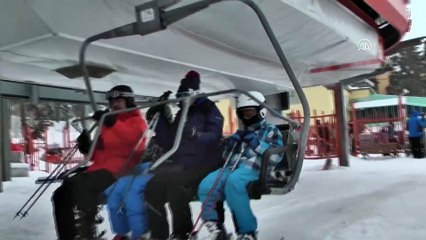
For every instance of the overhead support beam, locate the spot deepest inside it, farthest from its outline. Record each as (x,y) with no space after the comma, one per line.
(37,93)
(365,76)
(393,12)
(31,40)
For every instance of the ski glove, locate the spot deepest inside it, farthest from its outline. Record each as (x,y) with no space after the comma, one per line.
(190,132)
(110,120)
(235,138)
(98,114)
(164,111)
(84,142)
(165,96)
(250,138)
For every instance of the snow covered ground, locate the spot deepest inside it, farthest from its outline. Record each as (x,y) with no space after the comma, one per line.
(374,199)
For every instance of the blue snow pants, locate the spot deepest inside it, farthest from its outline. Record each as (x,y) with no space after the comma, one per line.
(232,188)
(127,210)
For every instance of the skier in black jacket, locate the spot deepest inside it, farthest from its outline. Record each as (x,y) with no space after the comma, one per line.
(198,154)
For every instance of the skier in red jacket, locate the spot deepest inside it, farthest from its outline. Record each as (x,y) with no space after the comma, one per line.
(75,201)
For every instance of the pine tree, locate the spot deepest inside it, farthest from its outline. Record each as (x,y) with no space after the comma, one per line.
(409,66)
(41,116)
(46,112)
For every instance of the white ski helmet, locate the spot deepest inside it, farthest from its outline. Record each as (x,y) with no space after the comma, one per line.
(244,101)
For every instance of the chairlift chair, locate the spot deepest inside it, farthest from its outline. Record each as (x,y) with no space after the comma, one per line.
(294,152)
(159,19)
(269,183)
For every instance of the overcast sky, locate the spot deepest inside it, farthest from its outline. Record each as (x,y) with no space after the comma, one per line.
(418,18)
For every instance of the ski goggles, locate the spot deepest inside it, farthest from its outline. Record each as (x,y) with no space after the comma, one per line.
(247,111)
(118,94)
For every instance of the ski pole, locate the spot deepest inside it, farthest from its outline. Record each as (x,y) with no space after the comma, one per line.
(65,161)
(25,213)
(148,135)
(216,182)
(152,126)
(49,179)
(54,175)
(223,185)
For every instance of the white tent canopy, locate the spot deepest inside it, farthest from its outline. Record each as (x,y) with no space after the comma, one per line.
(225,43)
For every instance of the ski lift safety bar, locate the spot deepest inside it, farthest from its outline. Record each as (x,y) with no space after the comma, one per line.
(153,17)
(293,125)
(176,143)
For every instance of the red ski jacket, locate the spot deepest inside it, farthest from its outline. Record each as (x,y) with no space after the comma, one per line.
(116,143)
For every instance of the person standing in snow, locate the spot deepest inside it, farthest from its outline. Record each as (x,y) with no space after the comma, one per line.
(78,195)
(415,133)
(256,137)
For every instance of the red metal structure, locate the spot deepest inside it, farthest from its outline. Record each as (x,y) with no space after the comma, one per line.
(36,150)
(322,140)
(391,18)
(378,130)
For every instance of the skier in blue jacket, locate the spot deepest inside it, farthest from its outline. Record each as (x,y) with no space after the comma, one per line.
(257,136)
(125,198)
(415,133)
(125,205)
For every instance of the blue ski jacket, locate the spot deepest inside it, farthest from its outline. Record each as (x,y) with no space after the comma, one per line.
(414,125)
(269,136)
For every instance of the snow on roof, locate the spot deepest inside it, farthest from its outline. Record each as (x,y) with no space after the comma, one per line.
(381,100)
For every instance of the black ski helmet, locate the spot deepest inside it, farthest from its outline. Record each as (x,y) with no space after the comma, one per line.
(122,91)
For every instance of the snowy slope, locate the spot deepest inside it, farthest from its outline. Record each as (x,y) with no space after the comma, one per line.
(380,199)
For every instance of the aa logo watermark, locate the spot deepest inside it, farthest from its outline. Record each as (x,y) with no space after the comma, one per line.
(364,45)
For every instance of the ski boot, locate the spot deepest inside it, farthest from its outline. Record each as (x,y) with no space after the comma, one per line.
(216,230)
(85,225)
(120,237)
(247,236)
